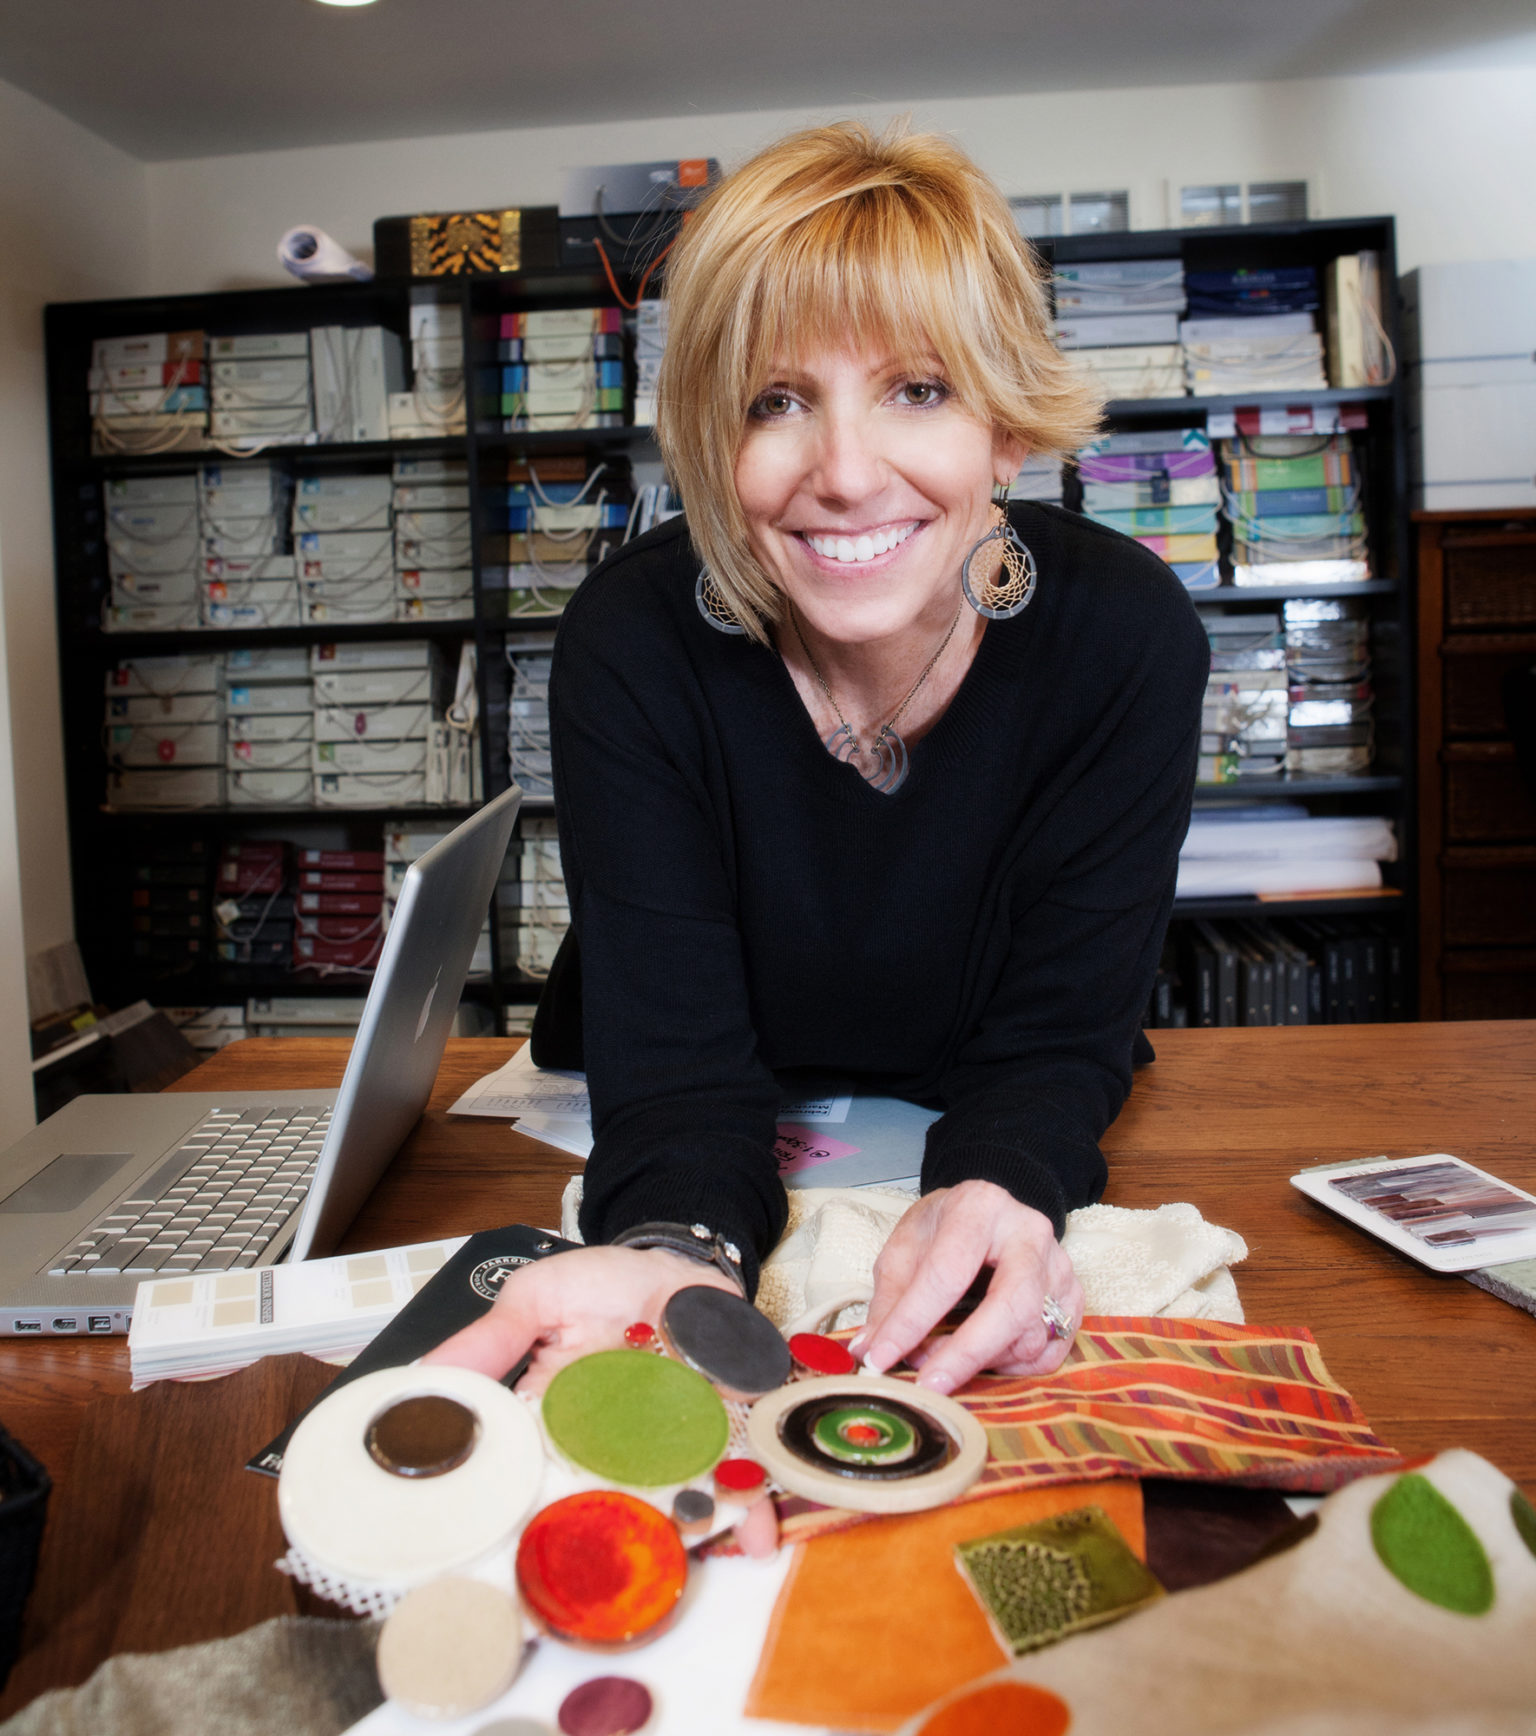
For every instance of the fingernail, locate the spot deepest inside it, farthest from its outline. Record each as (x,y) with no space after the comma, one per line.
(938,1380)
(881,1356)
(856,1346)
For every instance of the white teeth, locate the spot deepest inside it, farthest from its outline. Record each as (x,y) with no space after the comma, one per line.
(861,548)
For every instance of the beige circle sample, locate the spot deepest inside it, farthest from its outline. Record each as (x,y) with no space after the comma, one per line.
(450,1647)
(369,1528)
(902,1495)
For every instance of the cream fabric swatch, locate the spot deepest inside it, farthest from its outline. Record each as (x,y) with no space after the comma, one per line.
(1169,1261)
(1321,1640)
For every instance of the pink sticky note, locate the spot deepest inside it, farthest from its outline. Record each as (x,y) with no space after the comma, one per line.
(799,1148)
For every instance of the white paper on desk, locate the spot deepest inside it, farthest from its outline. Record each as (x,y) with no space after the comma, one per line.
(879,1139)
(568,1133)
(520,1088)
(698,1672)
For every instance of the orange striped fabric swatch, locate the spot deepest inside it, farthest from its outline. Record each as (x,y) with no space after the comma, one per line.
(1163,1398)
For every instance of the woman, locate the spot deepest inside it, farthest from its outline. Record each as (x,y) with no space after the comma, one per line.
(857,773)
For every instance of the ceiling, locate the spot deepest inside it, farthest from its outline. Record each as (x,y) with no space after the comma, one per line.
(189,78)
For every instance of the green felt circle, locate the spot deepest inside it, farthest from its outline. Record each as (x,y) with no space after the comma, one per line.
(636,1418)
(897,1439)
(1524,1516)
(1427,1545)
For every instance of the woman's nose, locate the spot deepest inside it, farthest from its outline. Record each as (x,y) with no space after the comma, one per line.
(848,466)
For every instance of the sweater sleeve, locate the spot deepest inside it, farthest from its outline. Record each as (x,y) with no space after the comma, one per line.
(1047,1067)
(682,1105)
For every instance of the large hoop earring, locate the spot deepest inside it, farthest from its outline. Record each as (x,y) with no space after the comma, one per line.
(712,604)
(1002,551)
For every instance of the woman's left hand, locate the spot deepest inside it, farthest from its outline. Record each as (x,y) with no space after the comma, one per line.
(933,1256)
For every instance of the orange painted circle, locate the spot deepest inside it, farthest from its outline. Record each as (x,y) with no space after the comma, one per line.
(1001,1709)
(601,1568)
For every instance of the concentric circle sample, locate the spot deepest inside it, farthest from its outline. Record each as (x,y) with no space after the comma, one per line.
(727,1340)
(423,1436)
(636,1418)
(817,1354)
(601,1568)
(450,1647)
(606,1706)
(369,1527)
(870,1443)
(883,1438)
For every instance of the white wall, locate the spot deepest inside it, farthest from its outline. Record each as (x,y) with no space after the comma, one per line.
(1449,153)
(73,224)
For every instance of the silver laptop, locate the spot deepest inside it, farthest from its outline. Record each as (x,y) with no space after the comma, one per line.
(112,1190)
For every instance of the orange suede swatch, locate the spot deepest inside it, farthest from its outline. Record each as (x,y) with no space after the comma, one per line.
(875,1622)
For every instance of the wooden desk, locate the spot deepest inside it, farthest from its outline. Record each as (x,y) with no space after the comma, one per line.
(1221,1119)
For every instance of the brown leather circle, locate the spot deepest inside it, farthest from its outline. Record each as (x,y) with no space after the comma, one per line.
(423,1436)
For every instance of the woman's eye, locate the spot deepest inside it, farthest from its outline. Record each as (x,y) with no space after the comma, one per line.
(923,392)
(771,404)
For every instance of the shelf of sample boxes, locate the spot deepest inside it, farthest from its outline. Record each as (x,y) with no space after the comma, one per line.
(1273,905)
(558,370)
(263,388)
(545,527)
(146,392)
(435,585)
(433,404)
(405,839)
(528,753)
(533,907)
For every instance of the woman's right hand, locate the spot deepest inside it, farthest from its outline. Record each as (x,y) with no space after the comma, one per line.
(569,1305)
(573,1303)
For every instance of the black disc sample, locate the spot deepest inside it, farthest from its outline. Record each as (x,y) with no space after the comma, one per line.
(725,1339)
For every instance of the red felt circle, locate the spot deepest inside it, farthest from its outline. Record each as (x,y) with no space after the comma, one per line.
(601,1568)
(861,1435)
(739,1476)
(640,1336)
(818,1354)
(606,1706)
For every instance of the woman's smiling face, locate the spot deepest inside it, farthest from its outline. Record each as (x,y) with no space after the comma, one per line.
(864,485)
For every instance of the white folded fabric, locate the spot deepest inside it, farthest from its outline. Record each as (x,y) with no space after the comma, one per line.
(1167,1262)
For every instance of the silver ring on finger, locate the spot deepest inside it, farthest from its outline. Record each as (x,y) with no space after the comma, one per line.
(1058,1322)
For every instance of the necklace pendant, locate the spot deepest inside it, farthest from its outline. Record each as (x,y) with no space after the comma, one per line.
(843,744)
(891,763)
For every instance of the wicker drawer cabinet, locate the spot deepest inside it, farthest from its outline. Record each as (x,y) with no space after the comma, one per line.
(1477,819)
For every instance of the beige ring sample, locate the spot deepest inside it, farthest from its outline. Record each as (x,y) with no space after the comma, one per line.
(368,1527)
(450,1647)
(901,1495)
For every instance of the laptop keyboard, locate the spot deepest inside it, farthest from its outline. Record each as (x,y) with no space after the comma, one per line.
(215,1203)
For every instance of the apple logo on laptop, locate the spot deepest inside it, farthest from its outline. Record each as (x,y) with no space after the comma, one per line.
(426,1005)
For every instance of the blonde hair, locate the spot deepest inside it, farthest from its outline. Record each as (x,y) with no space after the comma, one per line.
(837,233)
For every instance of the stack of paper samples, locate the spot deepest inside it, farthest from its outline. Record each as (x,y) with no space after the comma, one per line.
(186,1328)
(1119,317)
(1158,485)
(1227,855)
(1296,509)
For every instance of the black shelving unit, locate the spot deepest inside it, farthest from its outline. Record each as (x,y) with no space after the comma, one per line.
(87,651)
(1389,790)
(99,836)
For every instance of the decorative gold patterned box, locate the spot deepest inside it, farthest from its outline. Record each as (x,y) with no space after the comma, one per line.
(463,243)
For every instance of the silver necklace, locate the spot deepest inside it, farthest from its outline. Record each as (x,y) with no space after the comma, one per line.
(888,761)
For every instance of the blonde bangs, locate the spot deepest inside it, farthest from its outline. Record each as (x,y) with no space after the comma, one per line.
(836,236)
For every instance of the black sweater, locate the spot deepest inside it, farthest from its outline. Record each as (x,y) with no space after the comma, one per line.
(984,940)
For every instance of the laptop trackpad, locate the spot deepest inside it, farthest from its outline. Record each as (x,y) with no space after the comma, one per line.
(67,1182)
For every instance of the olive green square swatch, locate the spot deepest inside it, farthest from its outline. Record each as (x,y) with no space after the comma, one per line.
(1040,1582)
